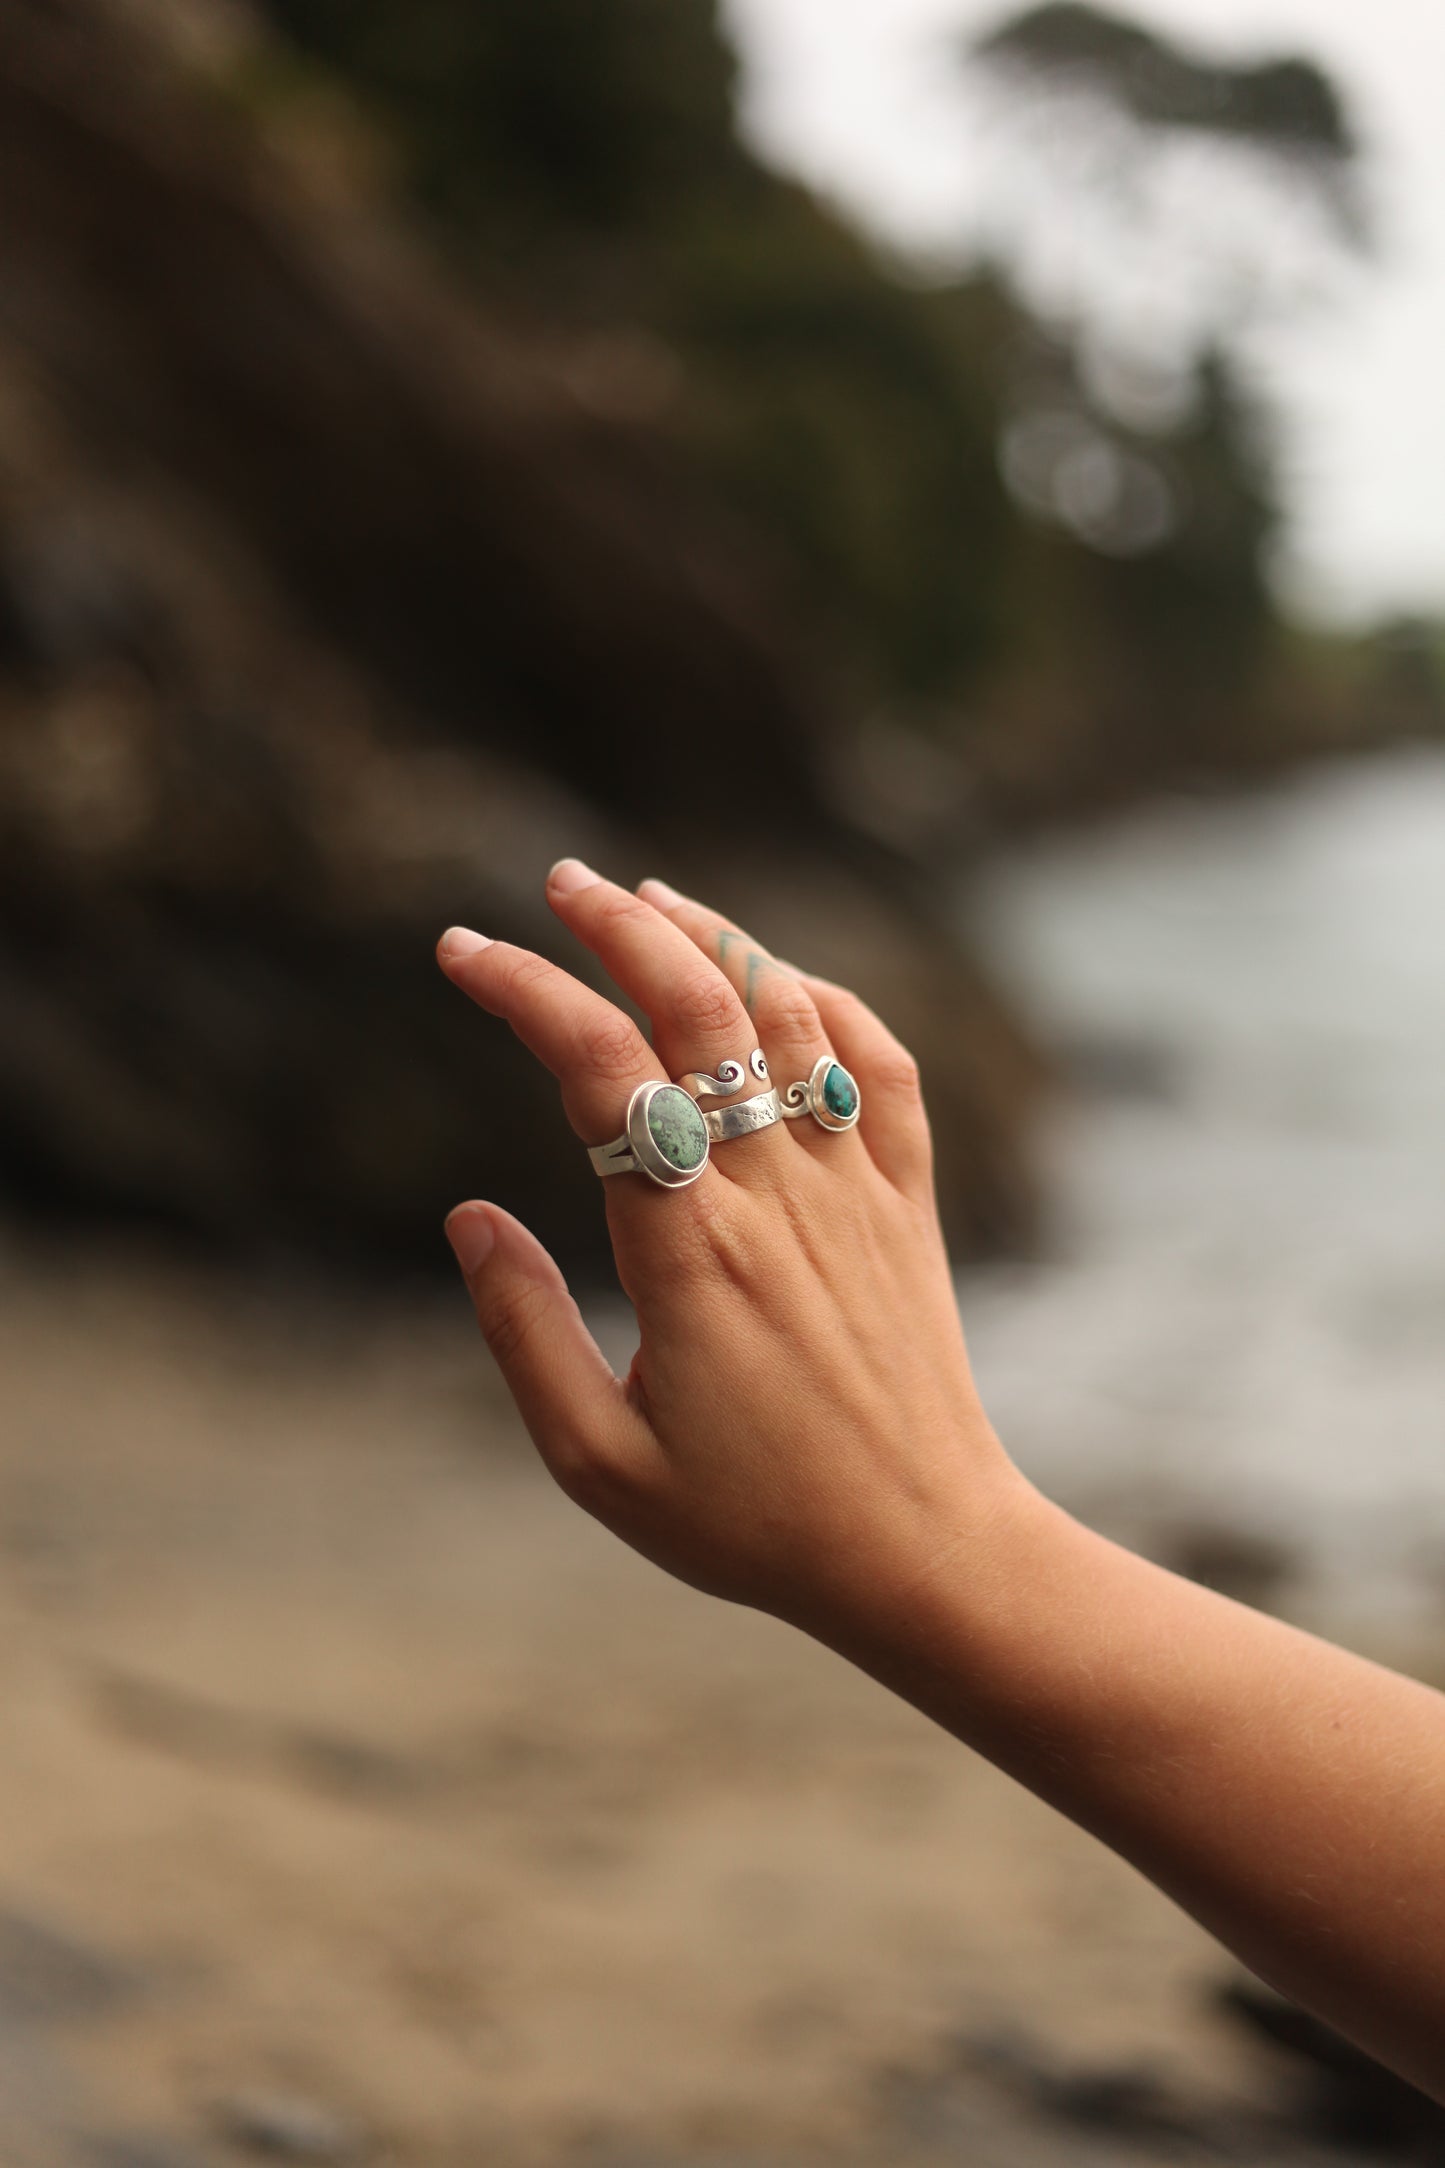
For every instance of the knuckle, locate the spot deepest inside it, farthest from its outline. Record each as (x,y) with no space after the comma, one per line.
(612,1047)
(522,969)
(785,1007)
(706,1005)
(616,907)
(666,1276)
(658,1256)
(575,1475)
(582,1469)
(596,1475)
(724,1248)
(896,1072)
(509,1320)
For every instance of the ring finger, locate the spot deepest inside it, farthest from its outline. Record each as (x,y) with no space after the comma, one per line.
(780,1005)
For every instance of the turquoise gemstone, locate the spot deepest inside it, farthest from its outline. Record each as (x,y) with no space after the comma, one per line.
(677,1127)
(840,1093)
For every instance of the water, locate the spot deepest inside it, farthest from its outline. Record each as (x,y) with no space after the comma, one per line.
(1241,1320)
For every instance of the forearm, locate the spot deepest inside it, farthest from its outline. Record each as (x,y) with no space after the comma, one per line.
(1287,1794)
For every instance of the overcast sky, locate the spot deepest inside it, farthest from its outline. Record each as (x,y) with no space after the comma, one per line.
(858,97)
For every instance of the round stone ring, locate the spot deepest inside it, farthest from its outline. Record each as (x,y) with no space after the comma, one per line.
(829,1095)
(666,1138)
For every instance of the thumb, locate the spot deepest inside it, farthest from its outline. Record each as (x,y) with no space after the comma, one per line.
(565,1390)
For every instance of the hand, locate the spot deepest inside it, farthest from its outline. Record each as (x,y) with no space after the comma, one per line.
(799,1430)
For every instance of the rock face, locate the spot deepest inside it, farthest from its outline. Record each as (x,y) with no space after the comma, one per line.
(328,616)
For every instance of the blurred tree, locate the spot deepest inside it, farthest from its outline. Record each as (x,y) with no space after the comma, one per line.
(1162,201)
(869,431)
(583,156)
(1147,629)
(1287,111)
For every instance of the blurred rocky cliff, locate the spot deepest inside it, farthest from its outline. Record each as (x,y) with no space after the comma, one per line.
(331,610)
(430,441)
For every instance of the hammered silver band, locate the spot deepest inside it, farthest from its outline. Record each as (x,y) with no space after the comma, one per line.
(743,1117)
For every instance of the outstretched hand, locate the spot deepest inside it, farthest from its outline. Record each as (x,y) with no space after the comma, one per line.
(799,1429)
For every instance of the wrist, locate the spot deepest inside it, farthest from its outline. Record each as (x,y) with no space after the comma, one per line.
(941,1607)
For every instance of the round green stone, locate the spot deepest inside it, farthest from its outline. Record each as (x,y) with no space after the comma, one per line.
(677,1128)
(840,1093)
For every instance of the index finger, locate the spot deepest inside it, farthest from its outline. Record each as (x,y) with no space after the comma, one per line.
(596,1053)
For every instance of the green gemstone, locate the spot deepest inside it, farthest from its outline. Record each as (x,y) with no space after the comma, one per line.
(677,1127)
(840,1093)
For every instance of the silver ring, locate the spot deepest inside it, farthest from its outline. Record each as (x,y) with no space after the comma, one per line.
(731,1077)
(743,1117)
(830,1095)
(666,1138)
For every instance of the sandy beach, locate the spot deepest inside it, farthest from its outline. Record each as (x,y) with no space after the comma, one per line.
(361,1800)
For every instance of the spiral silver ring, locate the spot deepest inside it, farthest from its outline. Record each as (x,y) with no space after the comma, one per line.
(731,1077)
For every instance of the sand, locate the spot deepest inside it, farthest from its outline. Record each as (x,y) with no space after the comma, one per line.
(348,1772)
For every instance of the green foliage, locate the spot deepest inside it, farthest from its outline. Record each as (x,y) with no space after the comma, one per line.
(855,418)
(582,154)
(582,159)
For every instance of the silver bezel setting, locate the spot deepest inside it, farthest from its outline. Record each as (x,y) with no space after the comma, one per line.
(807,1098)
(647,1156)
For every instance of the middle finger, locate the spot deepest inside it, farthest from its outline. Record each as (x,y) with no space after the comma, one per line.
(698,1020)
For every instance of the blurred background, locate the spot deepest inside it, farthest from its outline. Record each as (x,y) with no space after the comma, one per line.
(963,491)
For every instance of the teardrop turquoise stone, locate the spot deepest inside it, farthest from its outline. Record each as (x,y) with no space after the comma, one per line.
(840,1093)
(677,1127)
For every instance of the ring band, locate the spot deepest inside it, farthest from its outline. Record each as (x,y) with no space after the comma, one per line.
(829,1094)
(731,1077)
(666,1138)
(743,1117)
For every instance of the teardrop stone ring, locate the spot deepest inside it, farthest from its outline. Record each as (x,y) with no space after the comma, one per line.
(830,1095)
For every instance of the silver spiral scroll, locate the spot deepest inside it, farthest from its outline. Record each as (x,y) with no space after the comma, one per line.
(731,1077)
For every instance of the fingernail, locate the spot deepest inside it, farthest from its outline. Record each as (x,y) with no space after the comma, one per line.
(654,891)
(459,941)
(469,1231)
(569,875)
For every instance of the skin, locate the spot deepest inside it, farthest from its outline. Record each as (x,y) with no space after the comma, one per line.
(800,1432)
